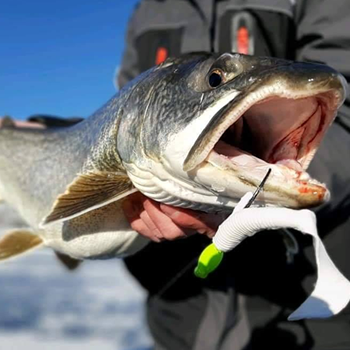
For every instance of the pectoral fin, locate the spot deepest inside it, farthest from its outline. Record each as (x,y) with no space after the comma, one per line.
(70,263)
(88,192)
(18,242)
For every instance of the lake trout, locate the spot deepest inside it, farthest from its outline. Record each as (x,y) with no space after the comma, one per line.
(197,131)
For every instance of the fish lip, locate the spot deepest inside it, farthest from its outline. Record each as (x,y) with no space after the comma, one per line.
(226,116)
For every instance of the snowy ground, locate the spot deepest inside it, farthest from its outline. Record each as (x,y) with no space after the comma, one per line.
(42,306)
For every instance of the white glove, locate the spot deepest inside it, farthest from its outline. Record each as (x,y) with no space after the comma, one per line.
(332,290)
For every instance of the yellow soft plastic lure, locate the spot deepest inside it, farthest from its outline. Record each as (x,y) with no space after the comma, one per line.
(211,256)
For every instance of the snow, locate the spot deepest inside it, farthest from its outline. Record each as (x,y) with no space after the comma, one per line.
(44,306)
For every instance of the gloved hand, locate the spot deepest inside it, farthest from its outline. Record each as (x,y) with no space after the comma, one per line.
(332,289)
(158,222)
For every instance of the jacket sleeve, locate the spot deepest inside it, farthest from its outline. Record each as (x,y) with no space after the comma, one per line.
(323,35)
(129,68)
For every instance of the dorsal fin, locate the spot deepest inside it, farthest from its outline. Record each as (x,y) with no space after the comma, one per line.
(88,192)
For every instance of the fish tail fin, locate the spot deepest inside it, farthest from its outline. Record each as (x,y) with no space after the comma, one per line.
(70,263)
(17,242)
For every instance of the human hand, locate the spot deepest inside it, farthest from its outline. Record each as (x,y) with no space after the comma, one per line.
(160,222)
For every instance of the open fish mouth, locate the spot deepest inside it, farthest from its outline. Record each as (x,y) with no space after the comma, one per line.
(277,130)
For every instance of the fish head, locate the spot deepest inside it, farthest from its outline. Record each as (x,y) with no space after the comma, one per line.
(210,126)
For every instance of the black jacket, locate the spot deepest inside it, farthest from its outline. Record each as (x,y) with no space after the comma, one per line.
(311,30)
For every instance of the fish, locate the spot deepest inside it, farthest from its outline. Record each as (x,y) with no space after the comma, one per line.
(196,131)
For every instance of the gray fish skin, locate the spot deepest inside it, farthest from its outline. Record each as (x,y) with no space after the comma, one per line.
(37,165)
(144,133)
(173,96)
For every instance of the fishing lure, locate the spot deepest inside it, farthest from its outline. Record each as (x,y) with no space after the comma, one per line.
(211,256)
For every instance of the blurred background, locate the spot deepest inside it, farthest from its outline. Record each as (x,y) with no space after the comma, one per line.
(60,58)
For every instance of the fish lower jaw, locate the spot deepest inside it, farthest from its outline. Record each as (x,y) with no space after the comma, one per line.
(288,184)
(171,190)
(219,183)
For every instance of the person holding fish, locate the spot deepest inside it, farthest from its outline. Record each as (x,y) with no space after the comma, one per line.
(244,305)
(214,129)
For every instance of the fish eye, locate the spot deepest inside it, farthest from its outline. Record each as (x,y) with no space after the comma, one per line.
(215,78)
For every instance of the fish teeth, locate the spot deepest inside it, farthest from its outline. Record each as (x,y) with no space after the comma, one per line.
(218,188)
(304,176)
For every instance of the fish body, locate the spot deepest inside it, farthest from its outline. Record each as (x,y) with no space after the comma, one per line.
(196,131)
(46,161)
